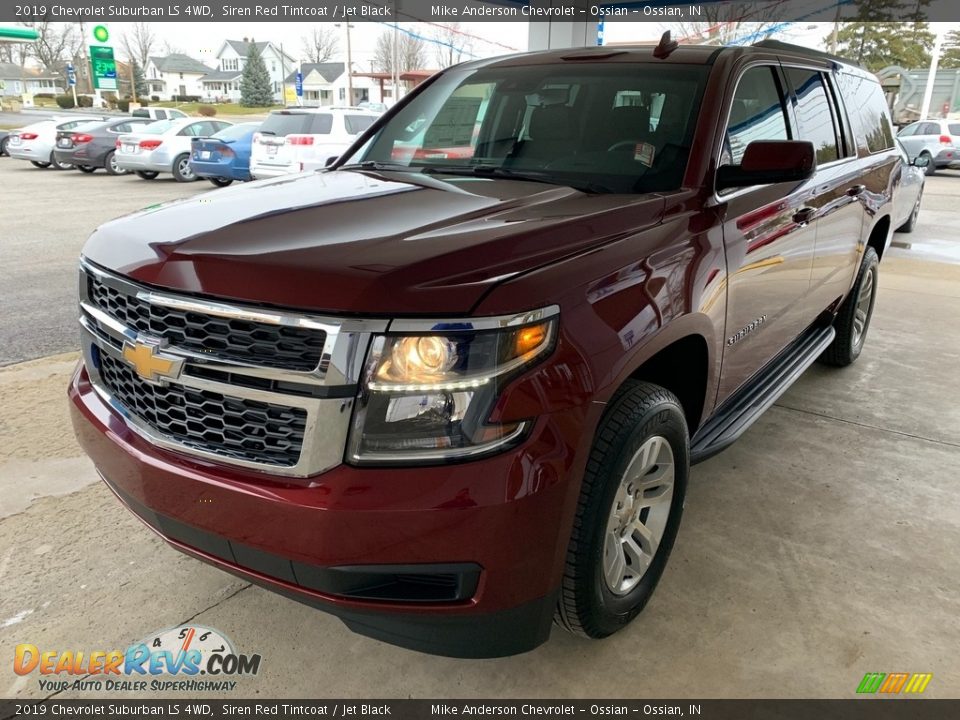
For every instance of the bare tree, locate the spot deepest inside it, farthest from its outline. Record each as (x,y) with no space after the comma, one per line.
(451,45)
(320,44)
(56,43)
(170,48)
(15,53)
(726,22)
(411,53)
(138,43)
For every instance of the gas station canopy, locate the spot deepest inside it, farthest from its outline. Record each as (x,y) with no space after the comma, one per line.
(18,34)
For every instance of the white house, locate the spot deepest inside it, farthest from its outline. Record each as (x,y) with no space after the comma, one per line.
(175,75)
(15,80)
(224,82)
(327,84)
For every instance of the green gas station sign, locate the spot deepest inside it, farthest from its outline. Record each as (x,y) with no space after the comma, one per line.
(104,67)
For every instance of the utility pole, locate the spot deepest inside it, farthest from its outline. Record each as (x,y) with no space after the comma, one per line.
(349,64)
(932,75)
(396,63)
(834,35)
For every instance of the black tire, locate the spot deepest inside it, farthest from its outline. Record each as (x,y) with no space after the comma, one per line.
(110,164)
(147,174)
(638,413)
(930,169)
(3,147)
(41,165)
(848,343)
(181,169)
(57,165)
(86,169)
(220,182)
(911,222)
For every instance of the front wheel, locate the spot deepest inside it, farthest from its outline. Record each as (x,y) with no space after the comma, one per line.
(629,510)
(111,166)
(853,319)
(182,171)
(41,165)
(220,182)
(147,174)
(57,165)
(86,169)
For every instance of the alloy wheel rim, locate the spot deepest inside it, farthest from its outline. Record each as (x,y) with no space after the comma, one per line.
(638,515)
(861,315)
(185,170)
(113,164)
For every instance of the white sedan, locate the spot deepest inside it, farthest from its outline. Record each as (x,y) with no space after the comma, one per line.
(35,142)
(164,146)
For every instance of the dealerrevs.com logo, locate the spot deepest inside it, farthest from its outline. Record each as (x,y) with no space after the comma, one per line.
(188,658)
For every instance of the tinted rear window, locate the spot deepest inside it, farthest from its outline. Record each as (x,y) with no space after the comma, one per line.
(281,124)
(954,128)
(236,132)
(357,123)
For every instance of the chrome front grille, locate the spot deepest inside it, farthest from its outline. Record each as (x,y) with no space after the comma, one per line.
(230,426)
(259,343)
(229,399)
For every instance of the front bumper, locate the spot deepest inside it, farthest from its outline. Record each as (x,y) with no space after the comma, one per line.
(507,517)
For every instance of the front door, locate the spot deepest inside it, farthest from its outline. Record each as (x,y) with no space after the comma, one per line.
(183,91)
(768,234)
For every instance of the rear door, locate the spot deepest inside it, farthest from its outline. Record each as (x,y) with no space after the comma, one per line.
(769,242)
(837,194)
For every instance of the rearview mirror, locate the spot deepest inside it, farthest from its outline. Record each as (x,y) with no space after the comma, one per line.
(921,161)
(766,162)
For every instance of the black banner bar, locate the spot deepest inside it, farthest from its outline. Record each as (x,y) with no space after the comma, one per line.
(659,11)
(863,708)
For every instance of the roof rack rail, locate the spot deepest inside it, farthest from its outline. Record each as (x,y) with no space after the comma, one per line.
(801,50)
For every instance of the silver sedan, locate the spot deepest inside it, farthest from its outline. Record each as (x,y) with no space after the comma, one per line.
(164,147)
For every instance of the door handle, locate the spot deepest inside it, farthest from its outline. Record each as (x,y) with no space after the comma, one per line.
(856,190)
(804,215)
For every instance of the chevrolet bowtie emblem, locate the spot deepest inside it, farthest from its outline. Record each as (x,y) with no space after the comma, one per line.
(151,364)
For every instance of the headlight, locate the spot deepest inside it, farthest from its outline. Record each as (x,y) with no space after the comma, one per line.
(427,396)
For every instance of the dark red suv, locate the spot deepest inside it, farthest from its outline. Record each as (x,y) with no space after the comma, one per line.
(450,388)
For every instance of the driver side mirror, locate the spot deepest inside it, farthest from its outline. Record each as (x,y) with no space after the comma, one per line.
(920,161)
(766,162)
(330,161)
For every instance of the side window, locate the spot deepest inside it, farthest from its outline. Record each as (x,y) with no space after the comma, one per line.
(121,128)
(322,124)
(161,114)
(865,100)
(814,113)
(908,131)
(756,113)
(929,129)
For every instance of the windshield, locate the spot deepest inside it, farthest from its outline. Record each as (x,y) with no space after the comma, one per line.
(236,132)
(297,123)
(610,127)
(156,128)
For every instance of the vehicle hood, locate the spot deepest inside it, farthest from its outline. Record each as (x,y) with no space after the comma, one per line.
(363,242)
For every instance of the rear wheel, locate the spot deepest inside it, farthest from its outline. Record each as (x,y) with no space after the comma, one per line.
(86,168)
(147,174)
(111,166)
(853,320)
(930,169)
(41,165)
(182,171)
(631,501)
(57,165)
(3,146)
(220,182)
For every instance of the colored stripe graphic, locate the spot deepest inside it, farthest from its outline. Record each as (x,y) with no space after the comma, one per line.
(894,682)
(871,682)
(918,682)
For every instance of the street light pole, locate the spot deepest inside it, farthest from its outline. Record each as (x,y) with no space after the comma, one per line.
(349,64)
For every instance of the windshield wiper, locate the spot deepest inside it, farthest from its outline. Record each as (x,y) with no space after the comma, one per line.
(496,171)
(376,165)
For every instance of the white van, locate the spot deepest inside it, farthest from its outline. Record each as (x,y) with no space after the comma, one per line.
(298,139)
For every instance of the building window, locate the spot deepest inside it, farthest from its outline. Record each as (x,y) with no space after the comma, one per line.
(343,94)
(230,64)
(273,67)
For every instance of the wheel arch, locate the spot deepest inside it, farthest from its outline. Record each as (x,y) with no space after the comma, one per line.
(880,235)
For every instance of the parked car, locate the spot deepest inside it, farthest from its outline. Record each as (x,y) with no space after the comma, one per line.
(164,146)
(377,107)
(158,113)
(906,201)
(93,145)
(225,156)
(35,141)
(937,140)
(449,401)
(294,140)
(4,139)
